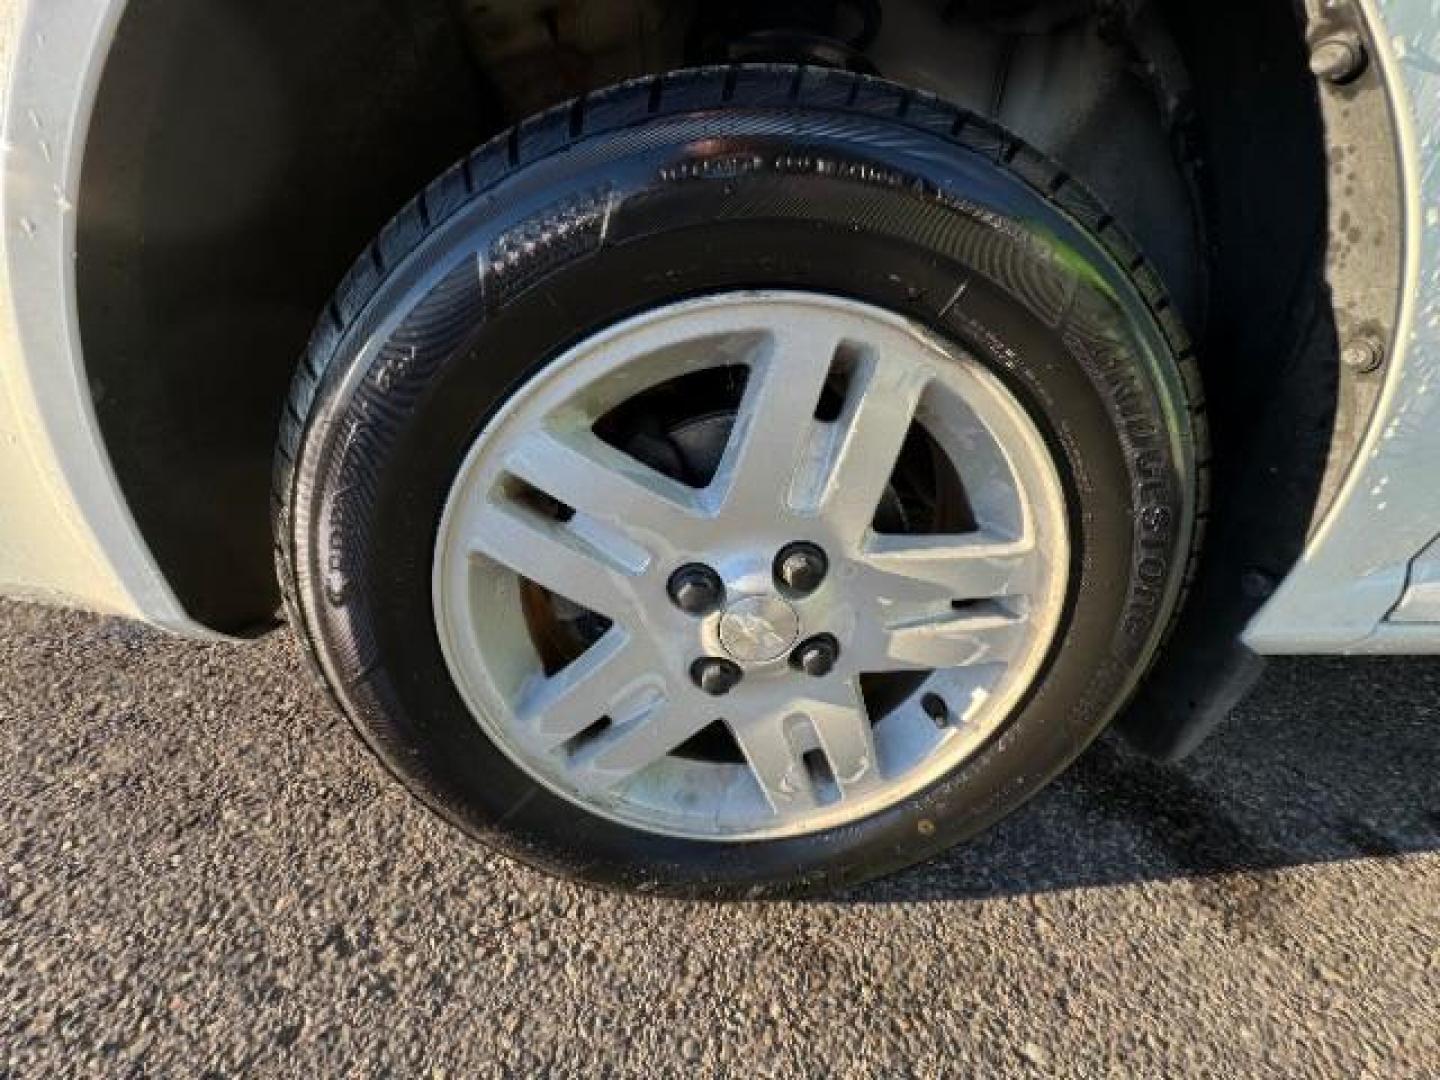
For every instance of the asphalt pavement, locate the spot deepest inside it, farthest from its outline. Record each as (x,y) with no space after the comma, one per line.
(203,873)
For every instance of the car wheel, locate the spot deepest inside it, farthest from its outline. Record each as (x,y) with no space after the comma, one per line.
(740,483)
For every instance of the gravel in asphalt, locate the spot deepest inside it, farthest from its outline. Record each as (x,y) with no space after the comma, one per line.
(203,873)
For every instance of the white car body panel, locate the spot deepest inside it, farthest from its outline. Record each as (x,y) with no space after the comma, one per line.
(1357,567)
(66,534)
(1421,602)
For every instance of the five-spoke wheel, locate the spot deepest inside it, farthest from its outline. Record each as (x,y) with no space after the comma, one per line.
(759,601)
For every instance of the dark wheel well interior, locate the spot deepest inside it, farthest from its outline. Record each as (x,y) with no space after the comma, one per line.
(241,154)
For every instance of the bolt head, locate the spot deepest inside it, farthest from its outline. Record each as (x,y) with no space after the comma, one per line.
(817,656)
(716,677)
(1363,355)
(696,589)
(1338,58)
(801,567)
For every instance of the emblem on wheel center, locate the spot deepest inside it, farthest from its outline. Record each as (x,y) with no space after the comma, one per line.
(759,628)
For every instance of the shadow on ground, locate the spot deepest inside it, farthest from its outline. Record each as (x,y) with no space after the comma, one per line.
(1329,759)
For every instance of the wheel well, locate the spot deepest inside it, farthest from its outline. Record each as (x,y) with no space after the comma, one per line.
(240,155)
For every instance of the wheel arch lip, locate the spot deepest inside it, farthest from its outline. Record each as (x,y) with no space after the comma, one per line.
(1356,567)
(55,458)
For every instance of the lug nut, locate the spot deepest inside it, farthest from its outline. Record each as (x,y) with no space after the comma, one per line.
(696,589)
(716,677)
(801,567)
(816,657)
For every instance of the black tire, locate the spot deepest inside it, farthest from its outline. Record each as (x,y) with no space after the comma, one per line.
(683,185)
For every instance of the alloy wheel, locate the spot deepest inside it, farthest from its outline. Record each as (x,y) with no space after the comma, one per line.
(721,634)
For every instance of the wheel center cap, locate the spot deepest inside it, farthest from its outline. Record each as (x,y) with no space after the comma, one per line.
(759,628)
